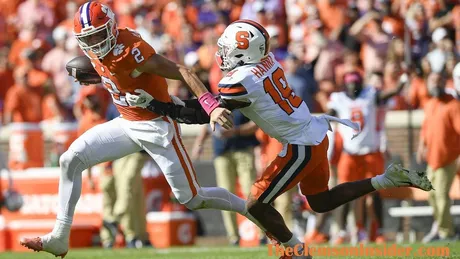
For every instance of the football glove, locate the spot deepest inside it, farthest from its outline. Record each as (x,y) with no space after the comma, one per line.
(141,100)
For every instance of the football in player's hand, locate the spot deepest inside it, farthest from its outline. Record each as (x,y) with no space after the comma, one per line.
(82,70)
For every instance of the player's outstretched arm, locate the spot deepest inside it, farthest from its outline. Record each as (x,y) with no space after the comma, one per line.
(188,114)
(188,111)
(183,111)
(383,96)
(159,65)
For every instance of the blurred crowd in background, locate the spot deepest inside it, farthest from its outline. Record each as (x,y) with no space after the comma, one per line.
(317,42)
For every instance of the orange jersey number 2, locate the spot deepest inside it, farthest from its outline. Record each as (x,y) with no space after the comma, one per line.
(278,88)
(117,97)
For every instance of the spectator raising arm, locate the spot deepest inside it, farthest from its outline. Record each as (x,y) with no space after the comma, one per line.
(383,96)
(358,27)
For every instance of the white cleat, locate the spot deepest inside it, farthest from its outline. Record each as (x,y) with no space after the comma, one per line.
(397,176)
(47,243)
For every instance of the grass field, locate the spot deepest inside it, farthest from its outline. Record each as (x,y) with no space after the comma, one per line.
(201,252)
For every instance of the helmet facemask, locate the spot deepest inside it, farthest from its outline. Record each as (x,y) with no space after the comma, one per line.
(99,42)
(223,55)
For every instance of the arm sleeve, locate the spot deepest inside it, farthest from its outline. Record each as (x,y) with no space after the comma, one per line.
(182,114)
(239,84)
(192,112)
(233,104)
(233,96)
(232,91)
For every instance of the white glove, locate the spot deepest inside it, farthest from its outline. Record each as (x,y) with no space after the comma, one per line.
(142,100)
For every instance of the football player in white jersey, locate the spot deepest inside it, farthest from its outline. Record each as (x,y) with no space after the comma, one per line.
(255,84)
(362,156)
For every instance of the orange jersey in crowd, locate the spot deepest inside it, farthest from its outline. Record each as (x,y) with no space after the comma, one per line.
(88,117)
(118,75)
(418,93)
(441,131)
(24,104)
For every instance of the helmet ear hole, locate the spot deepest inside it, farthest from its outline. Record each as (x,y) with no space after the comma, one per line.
(239,55)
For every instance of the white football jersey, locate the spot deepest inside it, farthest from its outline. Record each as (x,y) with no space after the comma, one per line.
(363,110)
(274,106)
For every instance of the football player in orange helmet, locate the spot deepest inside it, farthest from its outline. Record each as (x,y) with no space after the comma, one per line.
(128,65)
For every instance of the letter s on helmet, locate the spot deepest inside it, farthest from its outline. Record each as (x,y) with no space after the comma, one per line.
(243,42)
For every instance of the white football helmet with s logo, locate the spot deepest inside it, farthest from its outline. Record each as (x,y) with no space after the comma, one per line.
(243,42)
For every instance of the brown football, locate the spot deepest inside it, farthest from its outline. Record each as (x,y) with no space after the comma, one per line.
(81,69)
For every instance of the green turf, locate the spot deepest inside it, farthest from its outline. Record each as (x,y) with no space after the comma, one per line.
(199,253)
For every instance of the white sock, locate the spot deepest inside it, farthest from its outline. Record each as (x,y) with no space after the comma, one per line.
(61,230)
(221,199)
(70,184)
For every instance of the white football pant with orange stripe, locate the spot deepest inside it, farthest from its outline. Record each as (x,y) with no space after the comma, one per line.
(160,138)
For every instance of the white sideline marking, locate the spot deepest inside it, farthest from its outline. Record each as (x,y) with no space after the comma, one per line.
(419,211)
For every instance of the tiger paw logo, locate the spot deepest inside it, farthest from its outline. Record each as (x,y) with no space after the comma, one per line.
(118,49)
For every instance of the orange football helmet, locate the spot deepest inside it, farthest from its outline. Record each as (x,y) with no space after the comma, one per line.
(95,29)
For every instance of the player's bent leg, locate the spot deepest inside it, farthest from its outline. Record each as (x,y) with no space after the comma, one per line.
(269,218)
(178,169)
(394,176)
(280,176)
(102,143)
(273,224)
(339,195)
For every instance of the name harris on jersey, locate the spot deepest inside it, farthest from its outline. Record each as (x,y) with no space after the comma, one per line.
(264,66)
